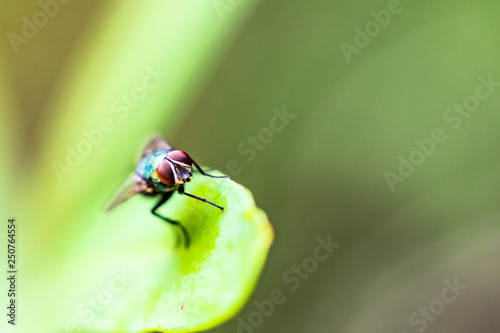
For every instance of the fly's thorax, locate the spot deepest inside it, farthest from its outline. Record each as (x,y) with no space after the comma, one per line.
(147,167)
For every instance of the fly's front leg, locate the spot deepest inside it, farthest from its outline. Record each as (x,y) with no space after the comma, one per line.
(206,174)
(181,191)
(164,198)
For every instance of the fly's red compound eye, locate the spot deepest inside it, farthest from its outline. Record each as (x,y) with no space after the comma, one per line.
(165,173)
(180,156)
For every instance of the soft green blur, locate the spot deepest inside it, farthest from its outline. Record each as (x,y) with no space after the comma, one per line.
(321,175)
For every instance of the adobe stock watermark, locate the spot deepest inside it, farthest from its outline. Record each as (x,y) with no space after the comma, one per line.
(256,143)
(292,279)
(120,110)
(372,29)
(88,309)
(453,117)
(225,6)
(427,314)
(31,26)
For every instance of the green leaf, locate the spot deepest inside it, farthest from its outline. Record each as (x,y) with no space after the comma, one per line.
(168,287)
(218,272)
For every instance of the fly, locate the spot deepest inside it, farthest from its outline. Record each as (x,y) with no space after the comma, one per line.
(162,170)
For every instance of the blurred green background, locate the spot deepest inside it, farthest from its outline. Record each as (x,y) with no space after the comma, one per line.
(229,66)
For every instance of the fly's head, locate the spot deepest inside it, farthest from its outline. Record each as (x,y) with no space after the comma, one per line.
(175,169)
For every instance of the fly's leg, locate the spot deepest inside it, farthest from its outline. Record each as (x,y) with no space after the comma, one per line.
(206,174)
(164,199)
(181,191)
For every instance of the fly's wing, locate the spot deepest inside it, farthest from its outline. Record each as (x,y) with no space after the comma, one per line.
(134,184)
(155,144)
